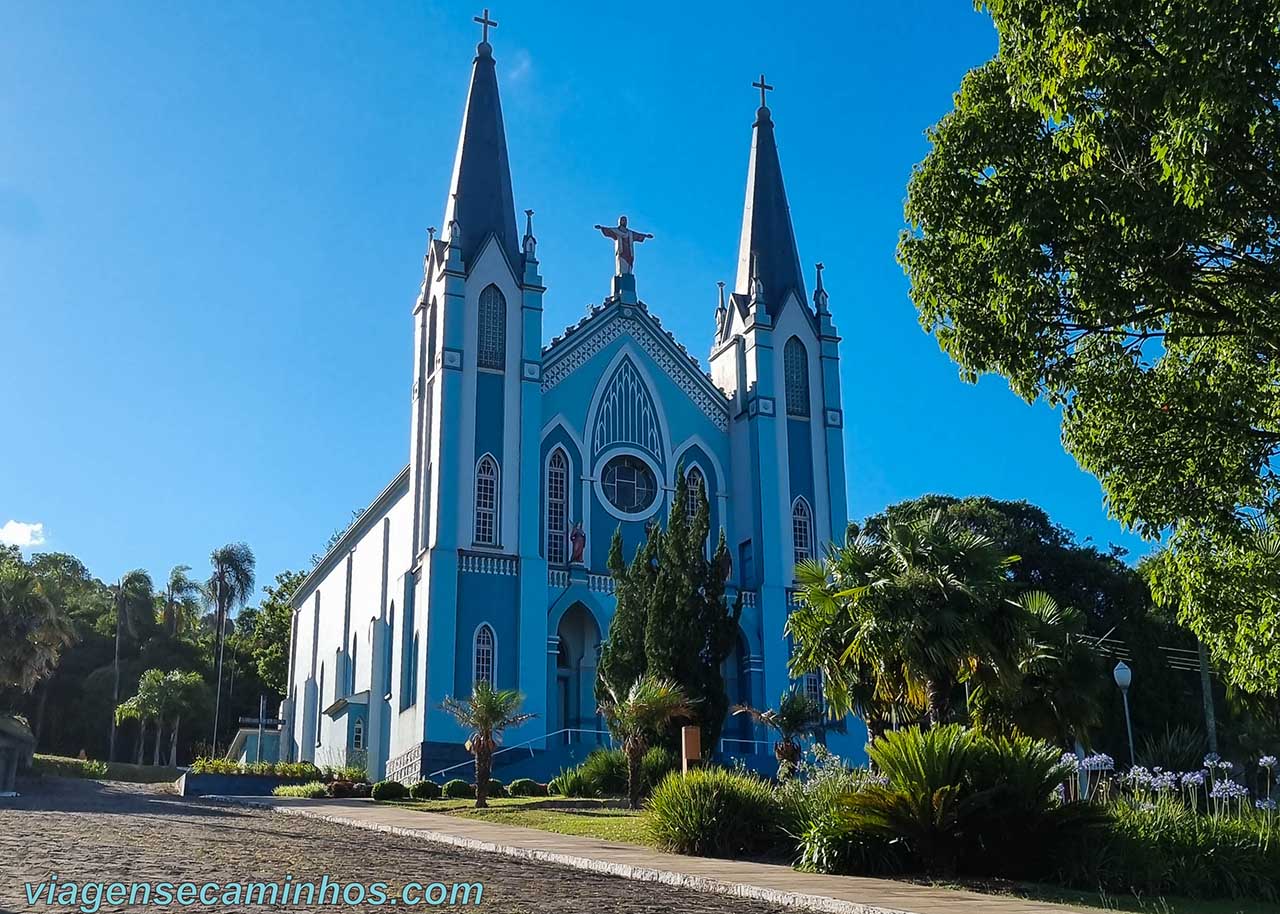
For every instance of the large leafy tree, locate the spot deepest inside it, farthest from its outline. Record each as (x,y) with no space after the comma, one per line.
(903,617)
(268,629)
(33,631)
(672,619)
(1096,222)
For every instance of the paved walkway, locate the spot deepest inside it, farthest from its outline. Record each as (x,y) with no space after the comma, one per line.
(769,883)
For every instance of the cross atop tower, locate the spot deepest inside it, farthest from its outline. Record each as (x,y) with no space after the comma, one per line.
(763,87)
(486,23)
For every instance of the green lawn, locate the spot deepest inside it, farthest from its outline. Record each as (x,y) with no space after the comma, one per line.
(1154,905)
(589,819)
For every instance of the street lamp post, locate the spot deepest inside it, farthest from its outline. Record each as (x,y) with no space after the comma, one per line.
(1124,678)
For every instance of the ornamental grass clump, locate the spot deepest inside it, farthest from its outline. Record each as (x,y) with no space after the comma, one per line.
(313,790)
(713,812)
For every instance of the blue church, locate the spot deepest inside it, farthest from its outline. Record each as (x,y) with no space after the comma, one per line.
(485,557)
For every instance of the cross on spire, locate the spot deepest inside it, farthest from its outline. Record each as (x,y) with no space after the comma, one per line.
(763,87)
(485,24)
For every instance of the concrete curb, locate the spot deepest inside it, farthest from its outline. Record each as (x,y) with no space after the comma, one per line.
(822,903)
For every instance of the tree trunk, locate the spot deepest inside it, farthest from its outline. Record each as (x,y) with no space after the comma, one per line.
(635,752)
(155,750)
(173,742)
(38,730)
(937,705)
(484,766)
(142,735)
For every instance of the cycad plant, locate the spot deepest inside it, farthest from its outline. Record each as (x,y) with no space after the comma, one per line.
(796,717)
(634,716)
(486,714)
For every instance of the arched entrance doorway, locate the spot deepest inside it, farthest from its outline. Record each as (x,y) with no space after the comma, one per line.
(576,659)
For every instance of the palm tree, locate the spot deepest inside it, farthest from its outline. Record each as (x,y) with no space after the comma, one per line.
(180,601)
(634,716)
(905,616)
(132,596)
(229,586)
(180,691)
(797,716)
(1055,695)
(32,630)
(486,713)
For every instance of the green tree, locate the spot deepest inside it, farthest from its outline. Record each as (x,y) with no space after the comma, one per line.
(33,632)
(229,586)
(182,693)
(267,640)
(146,706)
(1096,222)
(180,602)
(673,620)
(634,715)
(796,717)
(132,598)
(917,610)
(487,713)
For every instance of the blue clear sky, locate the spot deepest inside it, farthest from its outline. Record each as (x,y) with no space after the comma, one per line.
(212,219)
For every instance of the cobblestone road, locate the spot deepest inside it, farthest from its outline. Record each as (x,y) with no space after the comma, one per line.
(88,830)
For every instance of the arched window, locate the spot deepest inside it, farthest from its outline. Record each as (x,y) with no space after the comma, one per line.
(795,370)
(487,501)
(557,507)
(319,703)
(357,734)
(802,530)
(697,486)
(492,340)
(813,688)
(483,655)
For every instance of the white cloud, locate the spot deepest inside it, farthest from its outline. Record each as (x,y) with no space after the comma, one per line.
(16,533)
(521,67)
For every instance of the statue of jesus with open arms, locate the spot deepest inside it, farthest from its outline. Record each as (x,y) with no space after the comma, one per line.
(624,241)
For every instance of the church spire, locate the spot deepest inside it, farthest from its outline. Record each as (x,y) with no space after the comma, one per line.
(480,200)
(767,252)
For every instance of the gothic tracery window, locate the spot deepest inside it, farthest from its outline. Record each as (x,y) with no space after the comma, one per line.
(795,370)
(483,656)
(486,507)
(697,485)
(557,507)
(802,530)
(492,338)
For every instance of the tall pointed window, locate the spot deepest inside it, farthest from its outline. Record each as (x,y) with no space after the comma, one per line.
(319,704)
(557,507)
(357,735)
(483,656)
(487,501)
(355,645)
(802,530)
(697,486)
(492,343)
(795,369)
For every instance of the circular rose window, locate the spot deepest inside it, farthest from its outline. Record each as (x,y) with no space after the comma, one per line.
(629,484)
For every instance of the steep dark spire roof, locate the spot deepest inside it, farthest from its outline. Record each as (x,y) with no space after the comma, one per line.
(480,195)
(766,223)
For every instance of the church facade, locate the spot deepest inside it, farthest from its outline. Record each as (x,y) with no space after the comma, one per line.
(485,557)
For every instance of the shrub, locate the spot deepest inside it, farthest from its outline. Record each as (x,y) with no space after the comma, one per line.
(62,767)
(425,790)
(656,764)
(389,790)
(571,782)
(458,789)
(299,770)
(311,791)
(341,789)
(346,772)
(496,788)
(361,790)
(712,812)
(606,772)
(526,787)
(1165,847)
